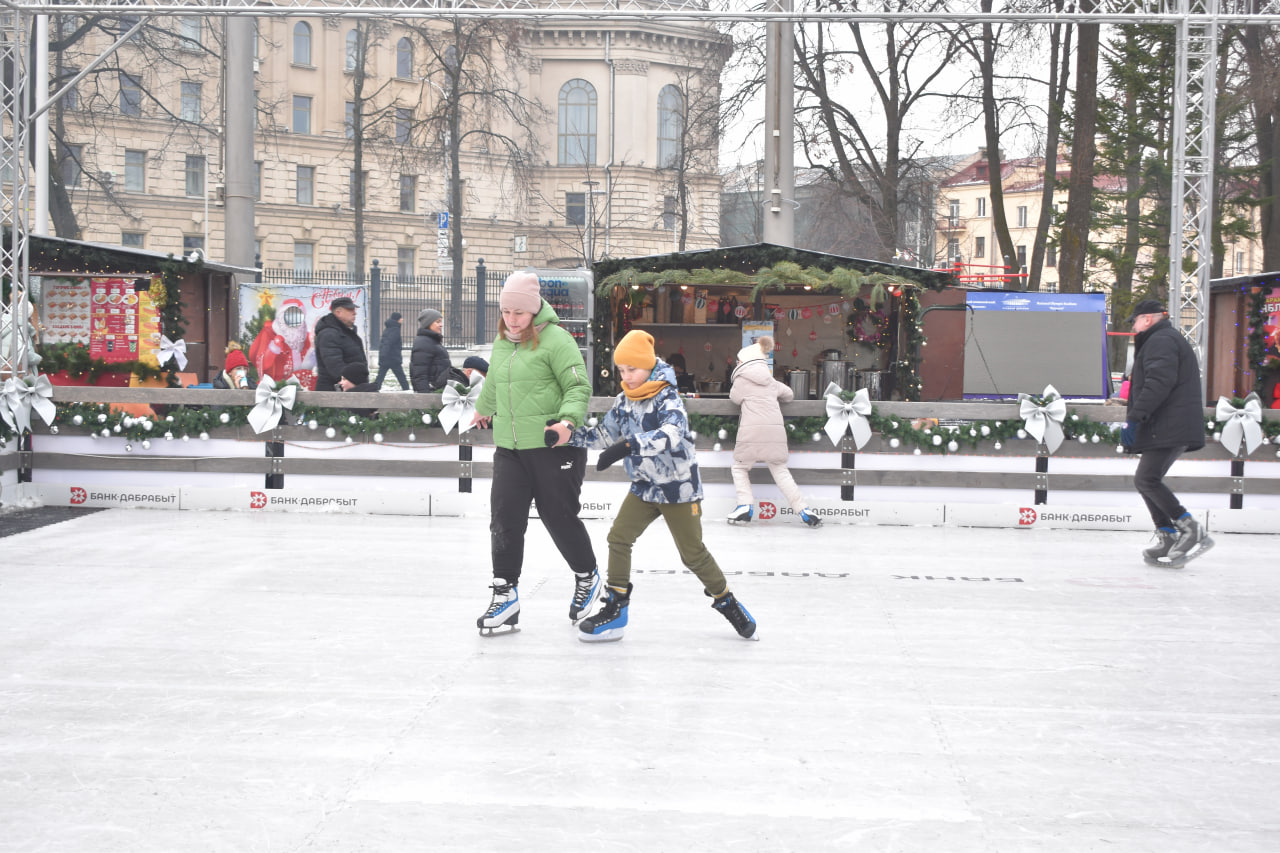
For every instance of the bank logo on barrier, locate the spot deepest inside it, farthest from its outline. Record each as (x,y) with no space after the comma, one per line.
(1026,516)
(106,496)
(257,500)
(768,510)
(78,496)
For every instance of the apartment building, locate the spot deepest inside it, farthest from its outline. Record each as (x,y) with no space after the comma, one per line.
(142,157)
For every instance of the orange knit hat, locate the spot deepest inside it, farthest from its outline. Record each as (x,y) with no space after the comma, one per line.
(636,350)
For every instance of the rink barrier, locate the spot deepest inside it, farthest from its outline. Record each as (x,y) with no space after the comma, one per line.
(1021,466)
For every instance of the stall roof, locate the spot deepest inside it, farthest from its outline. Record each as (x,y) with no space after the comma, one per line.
(1239,281)
(752,257)
(47,254)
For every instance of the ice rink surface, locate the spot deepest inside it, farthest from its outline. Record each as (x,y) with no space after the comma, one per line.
(208,681)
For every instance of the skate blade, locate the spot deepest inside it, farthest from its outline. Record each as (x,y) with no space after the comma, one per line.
(613,635)
(500,631)
(755,636)
(1202,546)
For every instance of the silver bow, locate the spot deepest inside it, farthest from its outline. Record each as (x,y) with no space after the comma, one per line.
(848,415)
(20,398)
(176,350)
(1243,423)
(459,408)
(270,403)
(1044,423)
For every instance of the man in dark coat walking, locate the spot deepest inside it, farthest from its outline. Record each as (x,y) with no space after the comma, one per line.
(1165,418)
(338,343)
(391,353)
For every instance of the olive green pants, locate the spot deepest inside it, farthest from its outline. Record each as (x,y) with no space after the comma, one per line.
(685,523)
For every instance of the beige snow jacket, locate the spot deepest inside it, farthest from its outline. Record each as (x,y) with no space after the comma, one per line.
(761,435)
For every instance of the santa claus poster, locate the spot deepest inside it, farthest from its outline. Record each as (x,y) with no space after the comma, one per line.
(277,326)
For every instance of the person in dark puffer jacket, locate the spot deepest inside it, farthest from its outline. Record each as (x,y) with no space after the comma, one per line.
(338,343)
(429,365)
(391,353)
(1165,418)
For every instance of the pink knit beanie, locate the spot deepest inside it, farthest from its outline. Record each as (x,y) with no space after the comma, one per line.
(521,293)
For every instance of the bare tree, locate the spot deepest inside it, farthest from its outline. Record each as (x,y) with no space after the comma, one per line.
(1075,226)
(1262,87)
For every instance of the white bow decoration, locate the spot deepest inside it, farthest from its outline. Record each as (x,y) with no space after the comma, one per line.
(1044,423)
(848,415)
(176,350)
(270,403)
(1243,423)
(20,399)
(459,408)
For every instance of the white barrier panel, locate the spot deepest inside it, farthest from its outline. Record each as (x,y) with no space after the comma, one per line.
(107,497)
(307,500)
(1029,516)
(1244,521)
(455,504)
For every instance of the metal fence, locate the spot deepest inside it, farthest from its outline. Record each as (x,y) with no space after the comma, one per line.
(475,321)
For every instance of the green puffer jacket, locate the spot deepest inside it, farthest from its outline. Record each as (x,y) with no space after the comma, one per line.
(526,387)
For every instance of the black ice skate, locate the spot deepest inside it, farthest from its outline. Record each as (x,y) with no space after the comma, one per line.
(810,517)
(585,588)
(503,612)
(737,615)
(607,624)
(1165,539)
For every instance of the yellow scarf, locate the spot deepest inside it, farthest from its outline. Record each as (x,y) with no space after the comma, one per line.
(650,388)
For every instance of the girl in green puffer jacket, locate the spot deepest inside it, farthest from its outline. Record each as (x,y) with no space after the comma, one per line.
(535,394)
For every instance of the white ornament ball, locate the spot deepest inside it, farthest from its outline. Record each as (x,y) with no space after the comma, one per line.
(1208,424)
(894,443)
(1022,433)
(351,420)
(102,419)
(986,430)
(791,427)
(186,438)
(77,420)
(893,424)
(716,446)
(426,418)
(169,419)
(127,422)
(997,445)
(973,433)
(952,446)
(1075,417)
(146,445)
(1119,448)
(146,424)
(817,436)
(330,432)
(204,436)
(116,428)
(93,435)
(1082,439)
(225,418)
(348,441)
(722,434)
(168,436)
(592,421)
(1217,436)
(1093,439)
(377,438)
(53,430)
(916,451)
(128,448)
(937,440)
(412,437)
(312,424)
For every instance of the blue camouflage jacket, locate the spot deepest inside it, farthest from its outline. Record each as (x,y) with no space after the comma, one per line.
(662,465)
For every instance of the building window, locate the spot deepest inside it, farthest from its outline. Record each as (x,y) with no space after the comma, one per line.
(190,104)
(351,260)
(130,95)
(1240,263)
(953,212)
(70,100)
(303,257)
(408,193)
(577,124)
(302,43)
(135,171)
(1022,216)
(257,180)
(982,206)
(189,34)
(670,126)
(301,114)
(192,242)
(72,168)
(404,125)
(195,175)
(1050,256)
(349,120)
(979,247)
(405,262)
(306,189)
(953,250)
(575,208)
(352,61)
(352,186)
(128,22)
(132,239)
(1022,257)
(669,212)
(404,59)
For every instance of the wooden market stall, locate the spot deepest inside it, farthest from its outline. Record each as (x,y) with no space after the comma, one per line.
(834,318)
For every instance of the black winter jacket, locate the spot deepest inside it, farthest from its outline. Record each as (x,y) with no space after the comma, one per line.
(336,347)
(1165,404)
(390,349)
(429,363)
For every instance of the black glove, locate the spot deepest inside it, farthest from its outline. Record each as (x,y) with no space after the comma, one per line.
(549,435)
(613,453)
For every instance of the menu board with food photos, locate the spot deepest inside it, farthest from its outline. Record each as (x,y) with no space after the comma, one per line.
(106,314)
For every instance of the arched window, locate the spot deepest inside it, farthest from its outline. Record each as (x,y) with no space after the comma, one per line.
(353,50)
(577,142)
(670,126)
(302,43)
(404,58)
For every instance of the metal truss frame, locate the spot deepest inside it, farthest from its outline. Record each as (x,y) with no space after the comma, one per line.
(1198,23)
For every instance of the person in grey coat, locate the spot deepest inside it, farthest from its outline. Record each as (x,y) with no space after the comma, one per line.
(338,343)
(1164,419)
(391,353)
(761,435)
